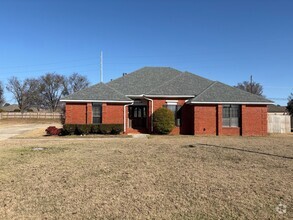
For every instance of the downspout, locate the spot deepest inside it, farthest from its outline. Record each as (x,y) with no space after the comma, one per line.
(152,118)
(124,113)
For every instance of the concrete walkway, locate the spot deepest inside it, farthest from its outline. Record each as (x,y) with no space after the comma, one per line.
(140,135)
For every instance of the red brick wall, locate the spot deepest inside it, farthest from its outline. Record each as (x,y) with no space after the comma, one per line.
(254,120)
(205,119)
(208,120)
(230,131)
(76,113)
(158,103)
(196,119)
(112,113)
(81,113)
(89,107)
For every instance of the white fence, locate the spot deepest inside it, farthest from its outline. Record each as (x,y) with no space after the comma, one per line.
(30,115)
(279,123)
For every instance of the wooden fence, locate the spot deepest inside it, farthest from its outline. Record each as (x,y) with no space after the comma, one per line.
(30,115)
(279,123)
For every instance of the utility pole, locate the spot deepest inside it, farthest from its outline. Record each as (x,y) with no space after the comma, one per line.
(251,84)
(101,67)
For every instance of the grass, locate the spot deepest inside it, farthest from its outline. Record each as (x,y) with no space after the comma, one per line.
(16,121)
(175,177)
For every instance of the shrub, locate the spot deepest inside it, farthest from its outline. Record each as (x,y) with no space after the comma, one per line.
(105,128)
(163,121)
(82,129)
(117,129)
(16,110)
(52,130)
(70,129)
(95,129)
(30,110)
(111,128)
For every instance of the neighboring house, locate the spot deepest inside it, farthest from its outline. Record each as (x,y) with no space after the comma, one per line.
(201,106)
(10,108)
(15,108)
(278,110)
(279,120)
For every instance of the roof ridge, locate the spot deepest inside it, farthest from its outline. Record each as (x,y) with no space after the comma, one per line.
(114,90)
(211,85)
(195,74)
(181,73)
(143,68)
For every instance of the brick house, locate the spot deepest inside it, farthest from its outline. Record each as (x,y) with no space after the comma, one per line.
(201,106)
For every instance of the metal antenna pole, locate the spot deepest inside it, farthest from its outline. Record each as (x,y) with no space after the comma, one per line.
(251,84)
(101,67)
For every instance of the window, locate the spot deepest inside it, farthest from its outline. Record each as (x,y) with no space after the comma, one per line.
(137,112)
(97,113)
(176,109)
(231,115)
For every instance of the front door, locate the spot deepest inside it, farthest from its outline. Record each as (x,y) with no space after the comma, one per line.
(137,117)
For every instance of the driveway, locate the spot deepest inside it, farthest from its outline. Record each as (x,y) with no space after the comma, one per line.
(10,130)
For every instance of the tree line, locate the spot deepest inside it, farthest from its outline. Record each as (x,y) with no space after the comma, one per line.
(43,92)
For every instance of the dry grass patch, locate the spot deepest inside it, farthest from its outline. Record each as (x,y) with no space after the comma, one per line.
(158,178)
(5,122)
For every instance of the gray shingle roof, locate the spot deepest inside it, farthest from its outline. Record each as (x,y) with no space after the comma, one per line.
(165,81)
(219,92)
(276,108)
(144,80)
(184,84)
(99,92)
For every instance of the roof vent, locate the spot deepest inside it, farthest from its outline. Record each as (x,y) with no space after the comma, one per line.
(124,74)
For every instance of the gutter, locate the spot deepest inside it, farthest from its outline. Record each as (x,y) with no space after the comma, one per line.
(152,118)
(239,103)
(101,101)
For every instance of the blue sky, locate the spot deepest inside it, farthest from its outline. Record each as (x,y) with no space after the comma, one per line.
(221,40)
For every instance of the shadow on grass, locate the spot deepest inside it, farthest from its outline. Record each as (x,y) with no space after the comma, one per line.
(243,150)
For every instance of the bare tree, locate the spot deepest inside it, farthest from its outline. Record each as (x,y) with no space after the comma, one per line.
(35,93)
(2,100)
(22,92)
(52,88)
(252,87)
(290,104)
(76,82)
